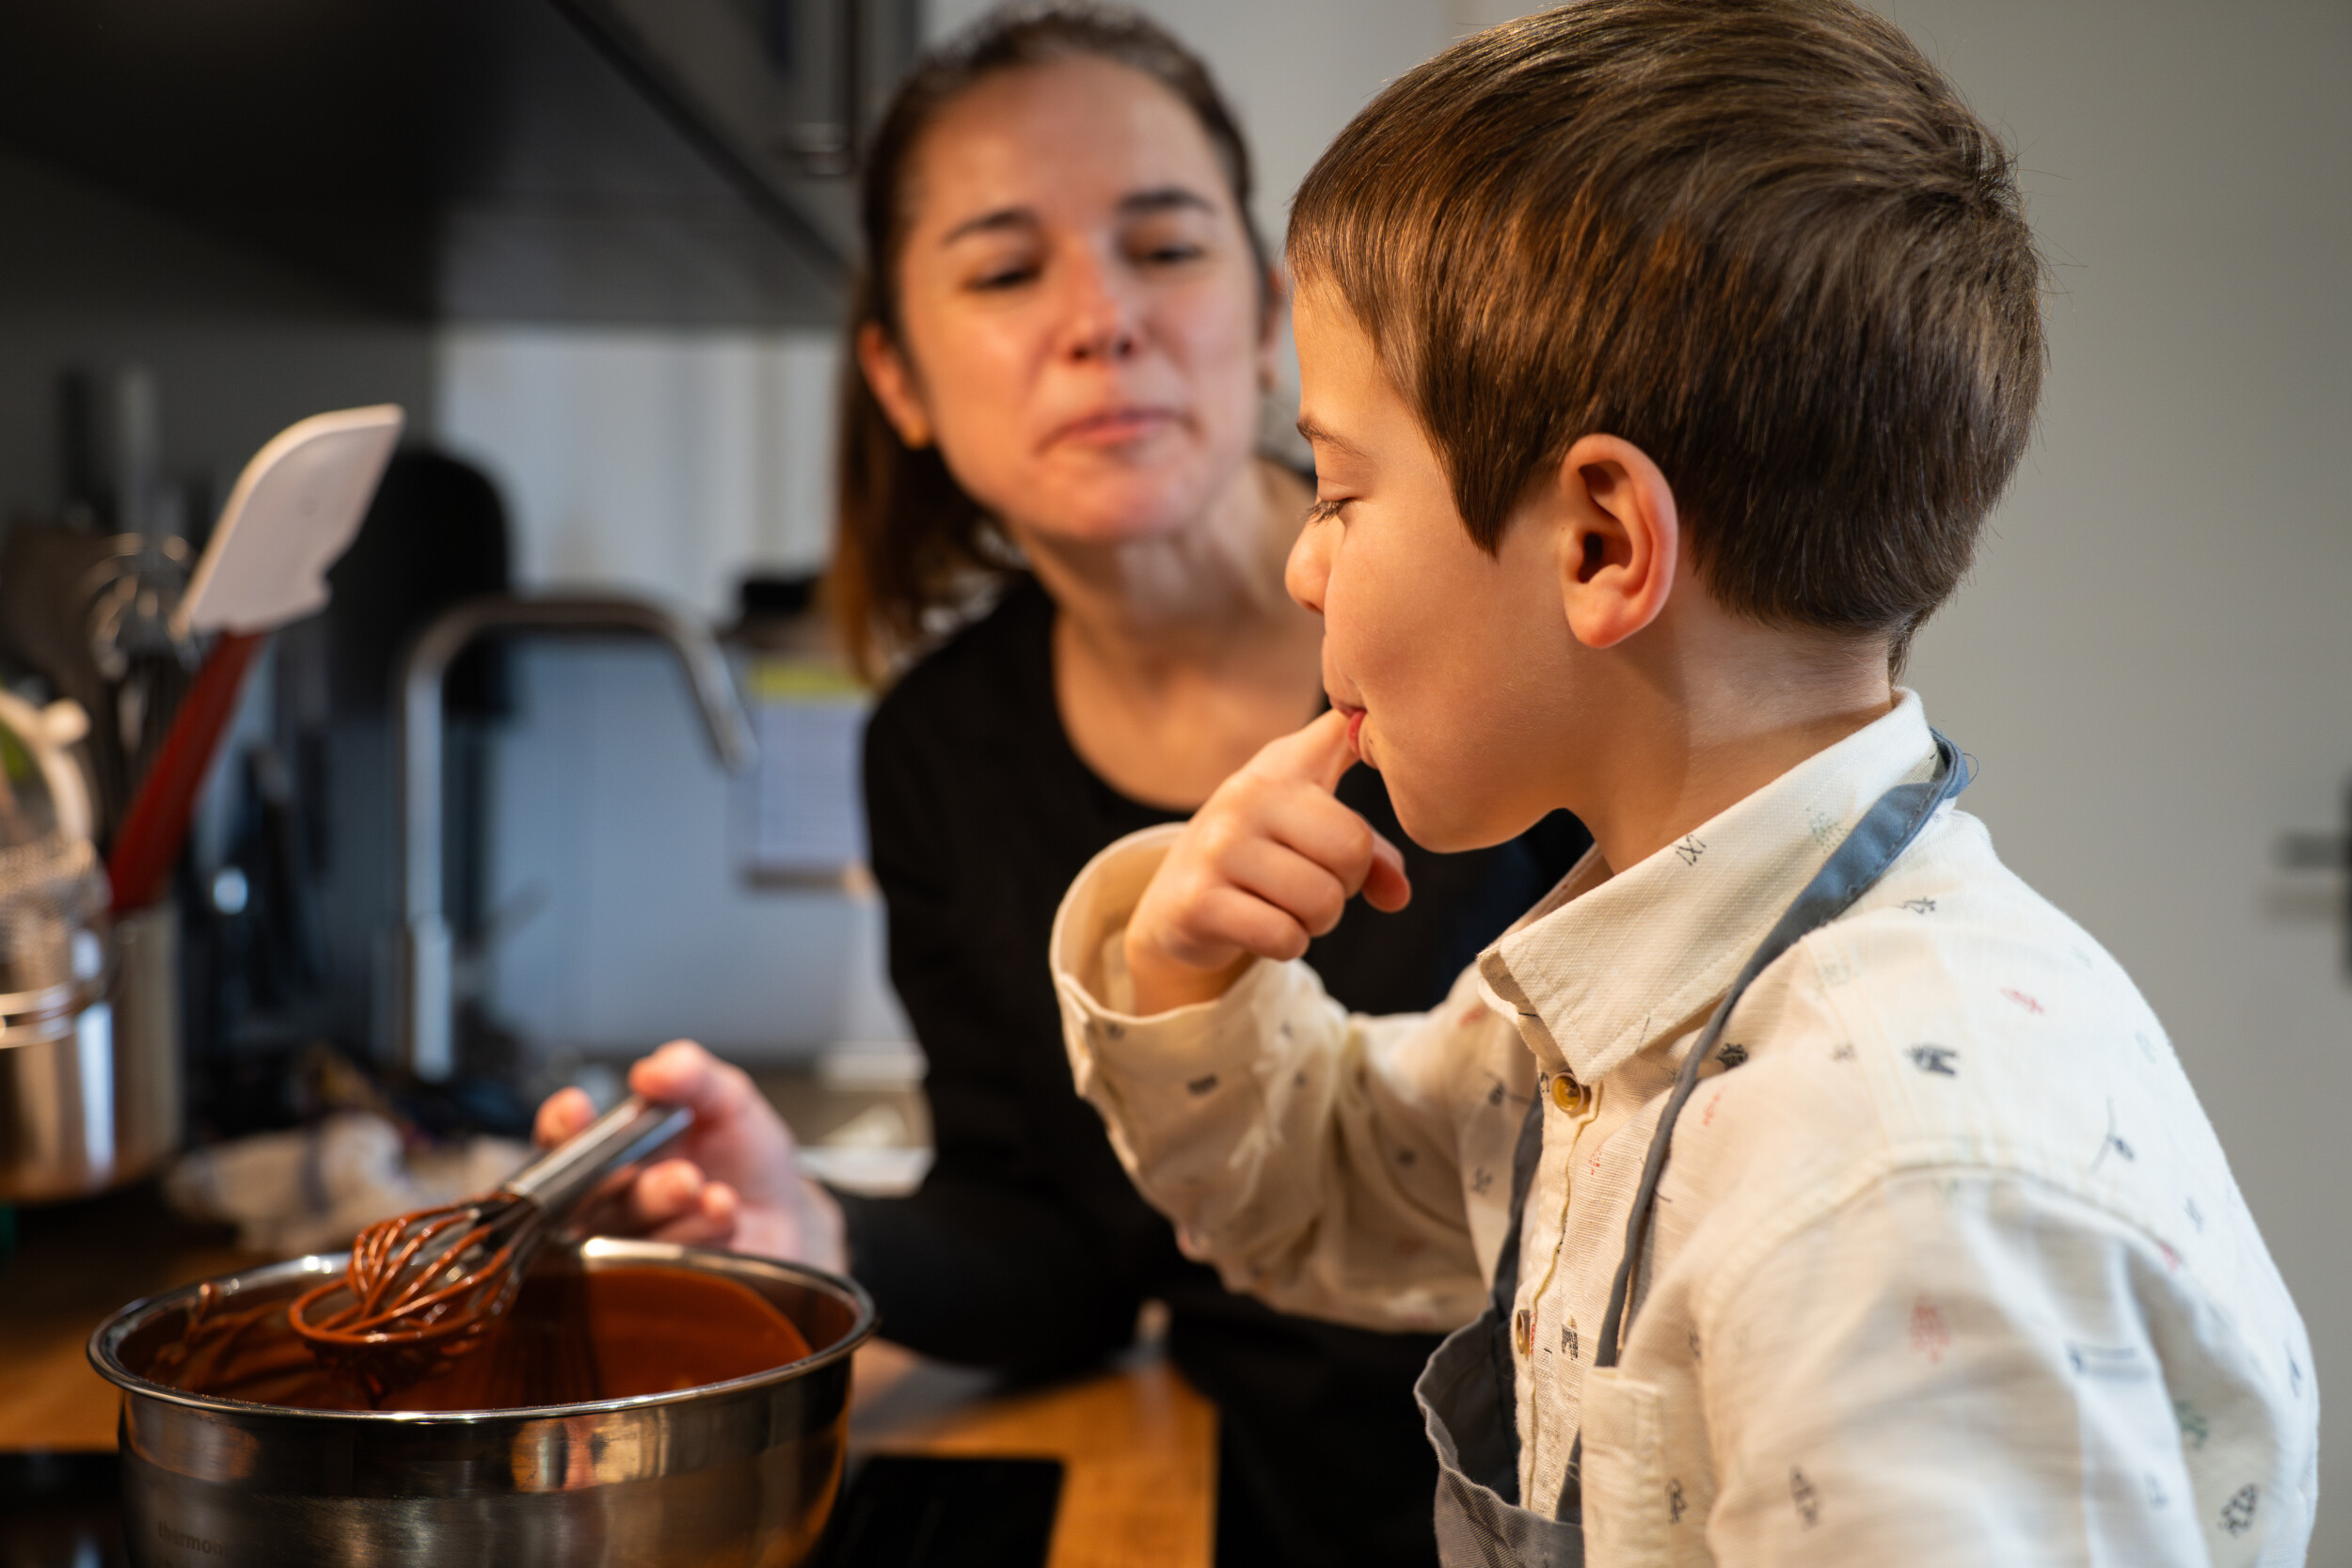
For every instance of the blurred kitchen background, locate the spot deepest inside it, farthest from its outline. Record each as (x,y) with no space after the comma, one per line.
(595,248)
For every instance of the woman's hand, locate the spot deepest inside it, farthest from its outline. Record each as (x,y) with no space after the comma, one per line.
(730,1179)
(1265,866)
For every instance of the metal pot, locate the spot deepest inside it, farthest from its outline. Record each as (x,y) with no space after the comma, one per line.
(89,1081)
(737,1473)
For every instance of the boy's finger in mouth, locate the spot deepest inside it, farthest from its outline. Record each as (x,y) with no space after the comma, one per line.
(1354,728)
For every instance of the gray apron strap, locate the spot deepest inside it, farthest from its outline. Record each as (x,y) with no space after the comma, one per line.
(1468,1392)
(1884,831)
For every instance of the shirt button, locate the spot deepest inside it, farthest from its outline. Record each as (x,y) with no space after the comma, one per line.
(1568,1095)
(1523,1330)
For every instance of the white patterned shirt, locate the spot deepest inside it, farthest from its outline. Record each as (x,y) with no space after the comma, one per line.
(1947,1265)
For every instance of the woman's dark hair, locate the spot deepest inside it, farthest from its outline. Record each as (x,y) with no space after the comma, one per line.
(910,544)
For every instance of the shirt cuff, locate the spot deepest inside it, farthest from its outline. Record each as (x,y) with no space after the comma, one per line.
(1184,1046)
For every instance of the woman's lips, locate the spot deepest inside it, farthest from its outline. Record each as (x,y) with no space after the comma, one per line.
(1355,729)
(1113,427)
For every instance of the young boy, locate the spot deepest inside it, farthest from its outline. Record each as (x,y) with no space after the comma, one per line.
(1819,1192)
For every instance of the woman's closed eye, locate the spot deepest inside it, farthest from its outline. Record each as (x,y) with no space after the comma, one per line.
(1167,253)
(1167,240)
(998,278)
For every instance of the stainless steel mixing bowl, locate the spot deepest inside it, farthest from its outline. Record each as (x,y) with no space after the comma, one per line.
(741,1473)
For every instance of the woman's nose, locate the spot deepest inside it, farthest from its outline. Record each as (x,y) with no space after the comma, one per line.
(1103,320)
(1308,572)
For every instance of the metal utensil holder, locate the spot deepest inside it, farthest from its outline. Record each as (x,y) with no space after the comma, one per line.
(90,1081)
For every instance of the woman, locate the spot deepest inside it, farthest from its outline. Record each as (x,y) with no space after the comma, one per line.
(1059,353)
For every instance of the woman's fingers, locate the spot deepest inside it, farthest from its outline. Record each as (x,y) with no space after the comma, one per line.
(560,1115)
(737,1137)
(737,1160)
(711,1221)
(683,1073)
(664,1191)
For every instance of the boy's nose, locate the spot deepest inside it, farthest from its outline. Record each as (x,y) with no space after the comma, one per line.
(1308,570)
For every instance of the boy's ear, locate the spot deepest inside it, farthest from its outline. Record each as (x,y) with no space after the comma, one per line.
(1620,539)
(893,384)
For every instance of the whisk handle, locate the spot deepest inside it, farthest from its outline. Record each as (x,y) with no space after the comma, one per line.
(628,1133)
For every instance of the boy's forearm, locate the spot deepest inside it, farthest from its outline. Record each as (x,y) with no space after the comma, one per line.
(1257,1126)
(1251,1123)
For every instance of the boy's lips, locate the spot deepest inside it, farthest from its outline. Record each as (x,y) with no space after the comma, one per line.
(1354,728)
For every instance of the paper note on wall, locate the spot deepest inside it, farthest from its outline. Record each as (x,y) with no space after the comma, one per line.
(806,824)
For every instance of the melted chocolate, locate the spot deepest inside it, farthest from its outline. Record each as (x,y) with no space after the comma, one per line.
(571,1336)
(420,1291)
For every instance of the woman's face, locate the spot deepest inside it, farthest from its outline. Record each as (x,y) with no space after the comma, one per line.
(1083,333)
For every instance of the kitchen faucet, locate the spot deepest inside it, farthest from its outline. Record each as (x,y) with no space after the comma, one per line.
(423,1000)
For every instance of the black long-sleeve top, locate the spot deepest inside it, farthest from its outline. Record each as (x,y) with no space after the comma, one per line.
(1026,1248)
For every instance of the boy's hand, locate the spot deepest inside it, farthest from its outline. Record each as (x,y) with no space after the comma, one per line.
(1267,863)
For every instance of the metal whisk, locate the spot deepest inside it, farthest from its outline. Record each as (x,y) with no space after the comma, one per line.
(425,1288)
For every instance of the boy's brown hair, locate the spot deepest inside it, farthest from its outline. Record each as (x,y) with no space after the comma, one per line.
(1763,241)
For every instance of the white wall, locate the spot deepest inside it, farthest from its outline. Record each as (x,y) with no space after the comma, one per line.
(2153,660)
(666,462)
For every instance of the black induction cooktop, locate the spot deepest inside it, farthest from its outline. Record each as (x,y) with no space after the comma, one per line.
(65,1511)
(62,1511)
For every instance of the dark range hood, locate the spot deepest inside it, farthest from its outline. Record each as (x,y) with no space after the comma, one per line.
(659,161)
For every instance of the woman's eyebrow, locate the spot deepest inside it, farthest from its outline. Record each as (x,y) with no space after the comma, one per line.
(1159,199)
(1162,199)
(991,222)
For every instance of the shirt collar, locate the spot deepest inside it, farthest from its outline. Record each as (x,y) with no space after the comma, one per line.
(1608,964)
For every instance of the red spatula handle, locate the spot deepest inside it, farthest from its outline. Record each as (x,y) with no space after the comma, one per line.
(157,823)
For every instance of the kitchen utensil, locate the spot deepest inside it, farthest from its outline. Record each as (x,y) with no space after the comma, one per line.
(52,941)
(295,510)
(424,1287)
(89,1068)
(129,601)
(43,573)
(740,1472)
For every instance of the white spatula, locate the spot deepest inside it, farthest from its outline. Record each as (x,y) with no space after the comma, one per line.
(296,510)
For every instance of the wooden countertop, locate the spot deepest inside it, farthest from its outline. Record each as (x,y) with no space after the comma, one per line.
(1137,1446)
(76,1264)
(1138,1443)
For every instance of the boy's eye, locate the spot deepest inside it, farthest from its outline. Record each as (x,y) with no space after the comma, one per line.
(1327,511)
